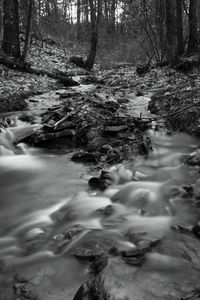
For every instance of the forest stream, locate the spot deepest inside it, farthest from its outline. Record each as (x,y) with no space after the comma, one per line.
(53,227)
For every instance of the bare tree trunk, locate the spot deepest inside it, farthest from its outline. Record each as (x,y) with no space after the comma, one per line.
(106,10)
(94,32)
(78,21)
(28,29)
(170,21)
(11,44)
(179,27)
(1,20)
(193,32)
(160,17)
(112,16)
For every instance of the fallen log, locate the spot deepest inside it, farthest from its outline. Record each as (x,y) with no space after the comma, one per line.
(25,67)
(39,137)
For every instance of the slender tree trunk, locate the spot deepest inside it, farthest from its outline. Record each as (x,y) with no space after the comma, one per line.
(94,32)
(78,21)
(170,21)
(159,18)
(106,11)
(1,20)
(193,32)
(11,44)
(179,27)
(28,29)
(112,16)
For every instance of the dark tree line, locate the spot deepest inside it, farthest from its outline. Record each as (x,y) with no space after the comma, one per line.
(162,29)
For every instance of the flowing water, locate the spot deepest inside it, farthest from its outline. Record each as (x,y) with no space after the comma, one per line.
(43,194)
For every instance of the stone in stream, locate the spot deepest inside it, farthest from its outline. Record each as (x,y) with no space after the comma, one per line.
(61,240)
(96,183)
(35,234)
(161,277)
(73,230)
(196,230)
(134,261)
(192,295)
(189,190)
(181,246)
(99,264)
(92,250)
(115,175)
(192,159)
(106,211)
(84,156)
(23,289)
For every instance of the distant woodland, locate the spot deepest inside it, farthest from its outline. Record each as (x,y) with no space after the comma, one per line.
(120,30)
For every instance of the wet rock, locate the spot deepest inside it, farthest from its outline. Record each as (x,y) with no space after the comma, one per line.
(134,261)
(69,233)
(145,147)
(35,233)
(189,190)
(58,237)
(134,258)
(196,230)
(73,230)
(182,228)
(192,159)
(119,280)
(106,211)
(181,246)
(84,156)
(91,251)
(142,241)
(96,183)
(193,295)
(108,178)
(84,292)
(23,289)
(26,117)
(88,254)
(98,265)
(115,175)
(132,252)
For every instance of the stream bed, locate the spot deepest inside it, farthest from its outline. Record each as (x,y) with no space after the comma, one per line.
(53,227)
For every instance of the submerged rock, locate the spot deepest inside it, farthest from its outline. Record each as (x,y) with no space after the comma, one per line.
(192,158)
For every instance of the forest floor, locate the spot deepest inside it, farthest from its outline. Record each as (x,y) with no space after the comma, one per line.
(170,90)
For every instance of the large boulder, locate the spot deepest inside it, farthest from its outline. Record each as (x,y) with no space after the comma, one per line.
(169,273)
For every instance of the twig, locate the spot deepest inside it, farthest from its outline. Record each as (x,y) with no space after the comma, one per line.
(169,115)
(180,92)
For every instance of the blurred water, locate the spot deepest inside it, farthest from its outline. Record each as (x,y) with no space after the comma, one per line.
(43,194)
